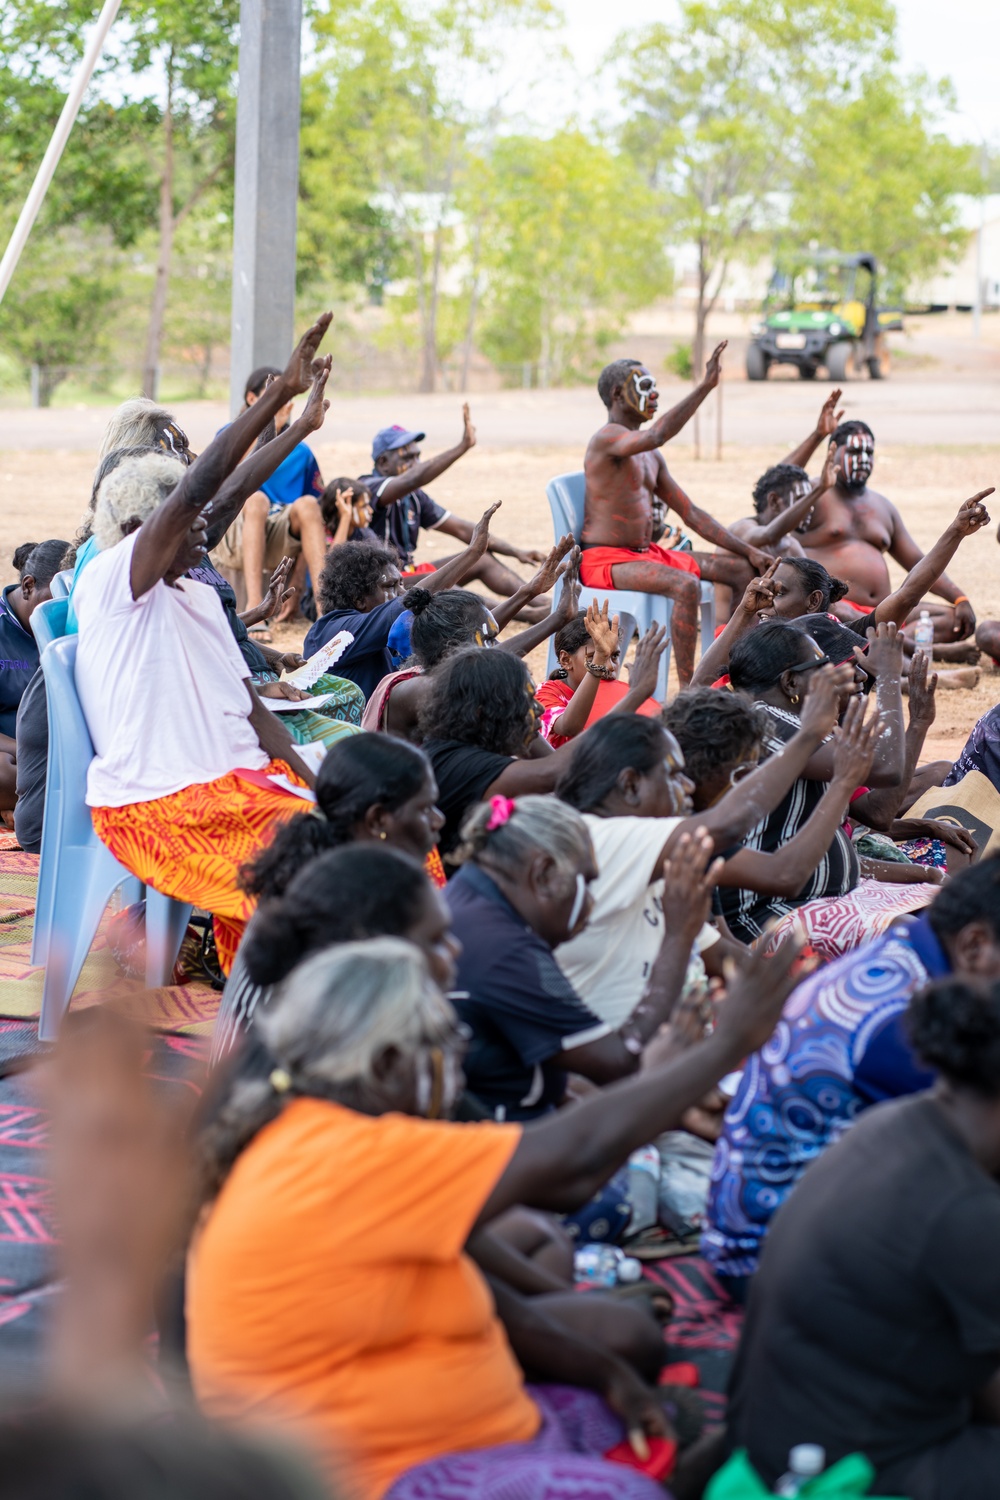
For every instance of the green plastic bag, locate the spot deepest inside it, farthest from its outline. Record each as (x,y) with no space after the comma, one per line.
(847,1480)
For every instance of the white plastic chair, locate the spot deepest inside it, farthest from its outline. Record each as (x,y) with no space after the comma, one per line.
(565,496)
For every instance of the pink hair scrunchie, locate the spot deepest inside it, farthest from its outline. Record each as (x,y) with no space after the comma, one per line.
(501,810)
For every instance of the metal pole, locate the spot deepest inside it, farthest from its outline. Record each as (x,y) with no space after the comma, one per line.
(46,172)
(267,188)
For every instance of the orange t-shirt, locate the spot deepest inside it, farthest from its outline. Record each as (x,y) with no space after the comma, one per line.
(329,1285)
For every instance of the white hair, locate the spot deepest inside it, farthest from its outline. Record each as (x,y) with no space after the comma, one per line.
(532,823)
(339,1009)
(131,492)
(134,425)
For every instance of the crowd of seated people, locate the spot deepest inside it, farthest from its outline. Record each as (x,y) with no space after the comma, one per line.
(482,937)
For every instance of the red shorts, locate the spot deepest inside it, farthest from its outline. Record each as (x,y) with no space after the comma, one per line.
(419,568)
(862,609)
(597,562)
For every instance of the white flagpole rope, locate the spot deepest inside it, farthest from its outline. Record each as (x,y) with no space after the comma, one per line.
(60,136)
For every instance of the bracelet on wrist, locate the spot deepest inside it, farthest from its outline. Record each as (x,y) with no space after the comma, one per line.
(962,599)
(606,673)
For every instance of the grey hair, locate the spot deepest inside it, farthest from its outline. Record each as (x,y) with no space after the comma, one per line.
(535,823)
(134,425)
(131,492)
(343,1006)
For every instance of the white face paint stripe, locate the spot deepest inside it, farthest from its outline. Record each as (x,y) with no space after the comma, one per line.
(581,896)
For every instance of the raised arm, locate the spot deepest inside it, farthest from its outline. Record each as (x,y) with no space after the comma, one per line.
(906,552)
(788,520)
(757,595)
(705,525)
(247,478)
(415,478)
(548,575)
(878,808)
(563,1159)
(925,574)
(785,872)
(453,573)
(621,442)
(826,425)
(161,535)
(458,527)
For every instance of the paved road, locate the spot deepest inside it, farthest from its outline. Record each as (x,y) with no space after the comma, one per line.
(929,413)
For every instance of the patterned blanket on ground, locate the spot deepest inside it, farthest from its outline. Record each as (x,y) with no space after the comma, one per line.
(183,1008)
(705,1327)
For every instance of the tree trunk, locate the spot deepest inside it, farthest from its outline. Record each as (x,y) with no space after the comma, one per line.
(700,316)
(470,323)
(161,283)
(429,368)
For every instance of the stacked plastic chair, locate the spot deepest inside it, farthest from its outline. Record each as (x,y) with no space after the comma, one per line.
(77,875)
(565,495)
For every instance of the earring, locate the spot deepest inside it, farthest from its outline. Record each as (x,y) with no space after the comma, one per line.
(793,699)
(382,835)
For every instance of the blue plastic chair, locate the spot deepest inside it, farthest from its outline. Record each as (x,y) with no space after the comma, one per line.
(566,496)
(48,620)
(60,585)
(77,874)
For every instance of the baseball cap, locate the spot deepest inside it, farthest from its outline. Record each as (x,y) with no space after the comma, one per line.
(394,437)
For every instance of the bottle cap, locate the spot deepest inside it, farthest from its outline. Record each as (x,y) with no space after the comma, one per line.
(629,1269)
(807,1459)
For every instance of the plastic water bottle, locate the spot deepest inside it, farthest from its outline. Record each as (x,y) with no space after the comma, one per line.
(604,1266)
(596,1265)
(805,1461)
(643,1188)
(923,636)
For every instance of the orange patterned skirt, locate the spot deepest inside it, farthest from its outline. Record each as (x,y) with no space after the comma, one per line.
(192,844)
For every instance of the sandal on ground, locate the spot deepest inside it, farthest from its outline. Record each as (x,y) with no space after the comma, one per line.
(260,634)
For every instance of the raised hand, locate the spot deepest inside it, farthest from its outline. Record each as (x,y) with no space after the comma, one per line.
(713,370)
(829,417)
(277,591)
(602,631)
(344,501)
(645,668)
(854,750)
(828,478)
(972,514)
(760,560)
(689,877)
(481,531)
(551,568)
(315,410)
(299,374)
(884,657)
(468,431)
(922,690)
(569,595)
(759,592)
(821,708)
(756,995)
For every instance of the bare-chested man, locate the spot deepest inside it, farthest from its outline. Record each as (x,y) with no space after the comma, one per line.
(852,528)
(625,474)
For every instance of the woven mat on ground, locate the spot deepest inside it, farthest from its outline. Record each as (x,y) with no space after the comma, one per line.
(705,1327)
(185,1008)
(27,1227)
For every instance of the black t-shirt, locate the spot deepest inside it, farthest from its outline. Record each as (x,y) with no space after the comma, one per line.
(875,1314)
(518,1003)
(255,659)
(399,524)
(18,661)
(32,764)
(463,772)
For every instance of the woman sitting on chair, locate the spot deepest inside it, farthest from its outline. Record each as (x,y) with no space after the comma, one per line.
(191,772)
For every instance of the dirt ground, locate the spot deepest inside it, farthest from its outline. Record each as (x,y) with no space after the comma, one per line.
(44,494)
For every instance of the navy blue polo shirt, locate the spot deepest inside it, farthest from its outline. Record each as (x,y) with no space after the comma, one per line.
(399,524)
(519,1005)
(18,662)
(368,658)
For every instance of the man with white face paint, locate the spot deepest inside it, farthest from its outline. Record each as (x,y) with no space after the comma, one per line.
(852,528)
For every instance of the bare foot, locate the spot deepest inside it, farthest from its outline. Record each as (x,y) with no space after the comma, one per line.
(959,677)
(963,653)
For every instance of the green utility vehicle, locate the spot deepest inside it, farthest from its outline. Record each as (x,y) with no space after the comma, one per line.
(823,311)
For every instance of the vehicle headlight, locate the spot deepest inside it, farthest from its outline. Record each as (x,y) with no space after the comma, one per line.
(836,328)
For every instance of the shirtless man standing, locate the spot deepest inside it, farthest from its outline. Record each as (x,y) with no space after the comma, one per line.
(625,473)
(853,527)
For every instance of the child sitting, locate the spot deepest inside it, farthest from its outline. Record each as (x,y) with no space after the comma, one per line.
(585,687)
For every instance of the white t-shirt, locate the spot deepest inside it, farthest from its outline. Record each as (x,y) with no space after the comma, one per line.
(161,682)
(609,962)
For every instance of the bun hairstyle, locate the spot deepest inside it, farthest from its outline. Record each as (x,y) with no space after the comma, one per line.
(40,560)
(508,831)
(569,638)
(344,895)
(357,773)
(443,623)
(955,1027)
(816,580)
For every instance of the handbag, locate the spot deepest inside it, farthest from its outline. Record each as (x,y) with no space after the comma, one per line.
(972,803)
